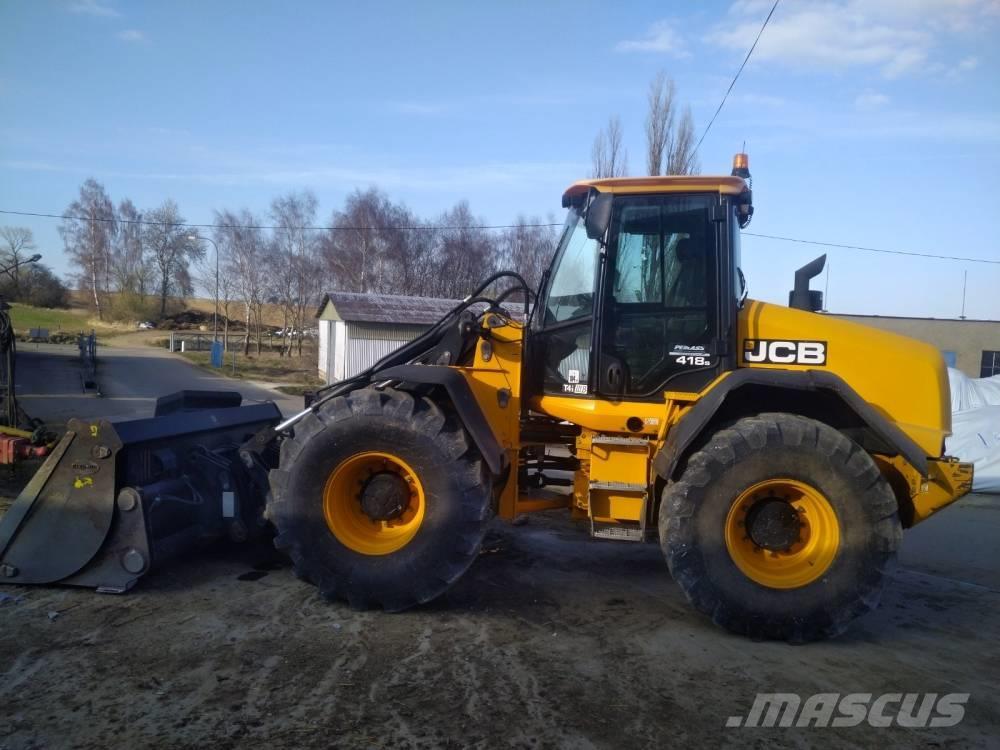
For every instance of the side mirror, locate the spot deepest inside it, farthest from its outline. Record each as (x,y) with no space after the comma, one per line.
(801,297)
(598,216)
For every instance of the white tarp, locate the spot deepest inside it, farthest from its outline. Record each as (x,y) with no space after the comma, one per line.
(975,427)
(972,393)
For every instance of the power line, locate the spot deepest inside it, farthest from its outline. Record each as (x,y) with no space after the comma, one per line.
(189,225)
(735,78)
(871,249)
(480,226)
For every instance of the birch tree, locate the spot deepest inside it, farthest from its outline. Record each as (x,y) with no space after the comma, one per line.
(297,262)
(87,236)
(244,252)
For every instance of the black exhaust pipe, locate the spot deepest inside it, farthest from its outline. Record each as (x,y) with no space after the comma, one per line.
(802,297)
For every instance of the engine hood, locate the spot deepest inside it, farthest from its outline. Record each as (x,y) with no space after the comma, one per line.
(903,379)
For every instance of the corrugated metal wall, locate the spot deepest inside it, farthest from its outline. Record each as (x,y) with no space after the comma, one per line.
(324,349)
(369,342)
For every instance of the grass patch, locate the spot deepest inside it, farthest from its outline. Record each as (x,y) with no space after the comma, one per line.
(292,371)
(25,317)
(58,321)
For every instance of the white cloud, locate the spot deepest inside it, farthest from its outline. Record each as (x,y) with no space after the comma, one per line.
(895,37)
(93,8)
(132,35)
(969,63)
(661,37)
(869,100)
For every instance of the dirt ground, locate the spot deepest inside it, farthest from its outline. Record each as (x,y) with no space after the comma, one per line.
(551,640)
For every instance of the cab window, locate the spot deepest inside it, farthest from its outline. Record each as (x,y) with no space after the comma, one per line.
(660,318)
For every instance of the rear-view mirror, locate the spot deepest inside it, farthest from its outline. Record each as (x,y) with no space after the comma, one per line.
(598,216)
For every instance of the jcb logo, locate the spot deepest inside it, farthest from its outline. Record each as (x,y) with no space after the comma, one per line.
(784,352)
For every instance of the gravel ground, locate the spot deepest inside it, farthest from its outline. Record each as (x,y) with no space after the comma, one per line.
(550,640)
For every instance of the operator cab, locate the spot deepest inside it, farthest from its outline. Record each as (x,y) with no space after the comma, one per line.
(644,288)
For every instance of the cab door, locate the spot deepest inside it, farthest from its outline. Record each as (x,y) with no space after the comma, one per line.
(561,342)
(659,322)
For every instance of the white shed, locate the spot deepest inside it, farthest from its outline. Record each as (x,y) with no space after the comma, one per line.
(356,330)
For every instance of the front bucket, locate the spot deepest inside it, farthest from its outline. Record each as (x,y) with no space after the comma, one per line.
(113,499)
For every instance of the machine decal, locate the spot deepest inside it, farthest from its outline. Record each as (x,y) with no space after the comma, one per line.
(780,352)
(579,389)
(693,356)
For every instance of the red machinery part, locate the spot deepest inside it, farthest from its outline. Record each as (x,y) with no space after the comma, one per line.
(14,449)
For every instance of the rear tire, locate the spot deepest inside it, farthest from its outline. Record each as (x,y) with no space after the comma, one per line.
(321,521)
(802,581)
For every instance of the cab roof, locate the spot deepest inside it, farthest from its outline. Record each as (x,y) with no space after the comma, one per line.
(667,184)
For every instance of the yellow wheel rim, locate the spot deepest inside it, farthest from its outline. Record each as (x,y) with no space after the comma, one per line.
(346,517)
(782,533)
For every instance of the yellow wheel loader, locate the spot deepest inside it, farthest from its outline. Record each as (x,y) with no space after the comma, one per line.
(775,453)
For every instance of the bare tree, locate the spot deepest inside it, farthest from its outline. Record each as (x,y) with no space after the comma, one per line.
(659,122)
(376,245)
(171,251)
(682,158)
(133,269)
(297,267)
(669,142)
(527,248)
(16,245)
(280,289)
(42,288)
(245,251)
(465,253)
(205,279)
(609,158)
(88,240)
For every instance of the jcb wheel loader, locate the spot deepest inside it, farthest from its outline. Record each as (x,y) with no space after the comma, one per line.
(776,453)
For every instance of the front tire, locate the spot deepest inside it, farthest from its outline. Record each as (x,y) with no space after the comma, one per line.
(380,499)
(780,527)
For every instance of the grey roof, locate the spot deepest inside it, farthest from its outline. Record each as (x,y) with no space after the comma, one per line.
(394,308)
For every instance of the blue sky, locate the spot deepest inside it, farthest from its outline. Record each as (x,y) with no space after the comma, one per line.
(868,123)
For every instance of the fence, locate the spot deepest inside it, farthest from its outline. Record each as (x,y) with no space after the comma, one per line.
(200,341)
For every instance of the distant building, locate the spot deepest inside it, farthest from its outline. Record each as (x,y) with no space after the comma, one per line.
(356,330)
(972,346)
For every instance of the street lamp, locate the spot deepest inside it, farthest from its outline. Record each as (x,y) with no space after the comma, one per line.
(197,238)
(33,259)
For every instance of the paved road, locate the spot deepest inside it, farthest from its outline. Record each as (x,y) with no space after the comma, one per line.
(49,385)
(958,544)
